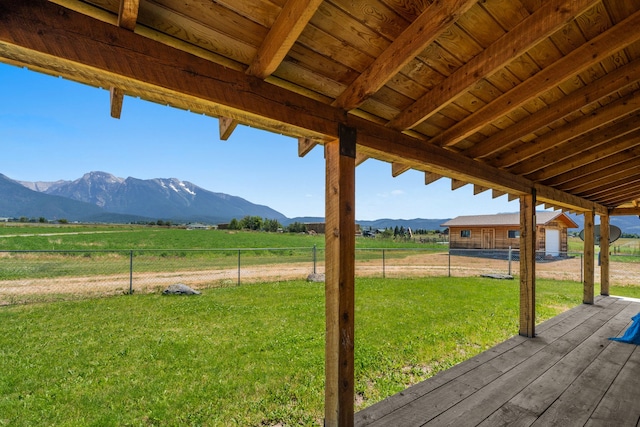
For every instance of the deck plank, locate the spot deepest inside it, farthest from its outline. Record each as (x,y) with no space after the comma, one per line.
(533,401)
(478,370)
(474,409)
(620,407)
(525,381)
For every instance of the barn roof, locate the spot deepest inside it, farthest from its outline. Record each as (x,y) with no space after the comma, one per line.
(514,96)
(507,219)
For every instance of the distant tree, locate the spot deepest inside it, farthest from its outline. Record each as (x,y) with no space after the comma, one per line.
(235,225)
(387,233)
(24,219)
(251,222)
(42,219)
(160,222)
(63,221)
(297,227)
(271,225)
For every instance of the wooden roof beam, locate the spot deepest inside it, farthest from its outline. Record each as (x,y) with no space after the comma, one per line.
(305,145)
(590,171)
(44,35)
(612,82)
(431,177)
(293,18)
(563,134)
(226,126)
(477,189)
(605,179)
(541,24)
(588,160)
(398,168)
(617,195)
(497,193)
(456,183)
(625,211)
(116,99)
(431,23)
(565,200)
(361,158)
(127,18)
(128,14)
(604,45)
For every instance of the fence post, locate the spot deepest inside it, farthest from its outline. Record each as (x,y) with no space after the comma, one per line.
(238,267)
(384,274)
(581,269)
(131,272)
(314,259)
(509,261)
(449,262)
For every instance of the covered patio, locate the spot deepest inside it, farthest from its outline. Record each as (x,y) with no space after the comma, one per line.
(570,374)
(533,100)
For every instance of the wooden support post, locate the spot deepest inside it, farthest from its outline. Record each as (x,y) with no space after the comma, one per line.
(604,254)
(339,278)
(588,284)
(528,265)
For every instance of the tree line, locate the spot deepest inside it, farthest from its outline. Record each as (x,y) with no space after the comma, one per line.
(256,223)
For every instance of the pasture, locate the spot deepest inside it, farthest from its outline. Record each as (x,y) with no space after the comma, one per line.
(236,355)
(249,355)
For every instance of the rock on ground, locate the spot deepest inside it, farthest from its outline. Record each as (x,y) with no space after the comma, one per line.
(315,277)
(180,289)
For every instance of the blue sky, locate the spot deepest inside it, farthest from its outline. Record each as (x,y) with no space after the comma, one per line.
(52,129)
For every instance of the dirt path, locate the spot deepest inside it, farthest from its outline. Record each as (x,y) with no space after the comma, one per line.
(420,265)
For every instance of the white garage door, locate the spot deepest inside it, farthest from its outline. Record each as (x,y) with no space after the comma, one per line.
(552,242)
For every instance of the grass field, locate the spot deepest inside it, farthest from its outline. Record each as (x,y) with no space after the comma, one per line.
(251,355)
(17,236)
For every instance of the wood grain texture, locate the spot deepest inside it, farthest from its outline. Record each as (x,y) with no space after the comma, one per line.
(527,265)
(339,286)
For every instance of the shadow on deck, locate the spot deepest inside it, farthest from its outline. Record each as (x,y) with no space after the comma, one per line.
(570,374)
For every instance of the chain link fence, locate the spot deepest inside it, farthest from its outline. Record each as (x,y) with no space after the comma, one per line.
(32,276)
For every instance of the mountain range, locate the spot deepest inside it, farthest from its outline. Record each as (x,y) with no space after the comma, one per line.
(103,197)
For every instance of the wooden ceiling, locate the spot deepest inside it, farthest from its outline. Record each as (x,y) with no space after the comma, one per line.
(509,95)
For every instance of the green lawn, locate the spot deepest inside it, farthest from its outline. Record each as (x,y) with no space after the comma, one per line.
(249,355)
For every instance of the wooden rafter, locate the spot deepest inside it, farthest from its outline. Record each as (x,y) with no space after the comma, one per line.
(588,162)
(283,34)
(576,159)
(398,168)
(455,184)
(477,189)
(305,145)
(431,23)
(116,100)
(128,14)
(361,158)
(583,125)
(622,77)
(497,193)
(601,182)
(226,126)
(36,34)
(578,60)
(431,177)
(127,18)
(545,21)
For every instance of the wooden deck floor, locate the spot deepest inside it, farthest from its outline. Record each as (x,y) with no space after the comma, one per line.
(570,374)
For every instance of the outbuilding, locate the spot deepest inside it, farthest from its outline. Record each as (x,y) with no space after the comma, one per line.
(502,231)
